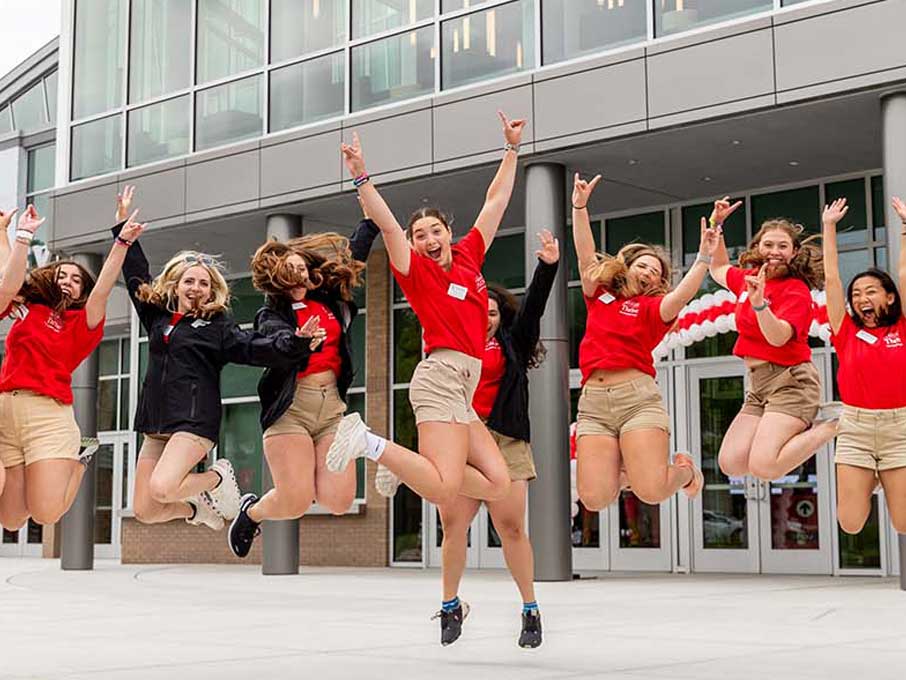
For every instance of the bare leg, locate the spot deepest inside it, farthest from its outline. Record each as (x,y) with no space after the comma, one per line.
(173,479)
(147,509)
(855,485)
(734,449)
(652,478)
(509,520)
(782,444)
(598,462)
(455,518)
(894,483)
(486,476)
(13,505)
(291,459)
(333,490)
(51,486)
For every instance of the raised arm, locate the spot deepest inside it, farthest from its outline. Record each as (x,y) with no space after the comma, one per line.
(674,301)
(720,258)
(17,262)
(527,325)
(833,284)
(501,188)
(96,306)
(6,217)
(582,236)
(900,207)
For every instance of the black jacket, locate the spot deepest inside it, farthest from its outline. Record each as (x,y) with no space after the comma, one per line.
(181,389)
(277,385)
(510,414)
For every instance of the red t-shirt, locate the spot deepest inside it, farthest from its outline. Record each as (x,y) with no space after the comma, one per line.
(328,359)
(790,301)
(493,365)
(452,306)
(170,326)
(44,348)
(621,333)
(872,364)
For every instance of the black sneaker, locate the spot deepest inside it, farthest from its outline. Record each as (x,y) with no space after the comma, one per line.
(243,528)
(451,623)
(530,637)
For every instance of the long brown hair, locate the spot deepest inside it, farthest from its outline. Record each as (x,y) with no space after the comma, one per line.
(329,256)
(272,274)
(807,264)
(41,287)
(612,271)
(509,307)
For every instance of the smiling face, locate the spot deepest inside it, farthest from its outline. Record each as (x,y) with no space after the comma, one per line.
(776,248)
(869,301)
(432,238)
(646,272)
(193,289)
(70,281)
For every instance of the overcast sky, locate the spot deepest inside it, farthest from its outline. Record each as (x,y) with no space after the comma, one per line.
(25,25)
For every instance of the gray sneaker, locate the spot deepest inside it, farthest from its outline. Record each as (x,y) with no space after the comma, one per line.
(204,512)
(225,497)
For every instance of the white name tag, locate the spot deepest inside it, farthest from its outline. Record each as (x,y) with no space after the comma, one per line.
(200,323)
(299,305)
(744,296)
(606,298)
(457,291)
(867,337)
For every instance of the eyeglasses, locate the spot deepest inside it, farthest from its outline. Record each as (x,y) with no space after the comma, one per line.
(199,259)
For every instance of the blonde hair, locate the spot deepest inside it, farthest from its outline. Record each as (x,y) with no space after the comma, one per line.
(612,271)
(808,262)
(162,290)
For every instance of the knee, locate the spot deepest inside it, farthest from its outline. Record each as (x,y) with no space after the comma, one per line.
(732,465)
(162,491)
(597,497)
(336,503)
(500,489)
(13,521)
(455,528)
(852,521)
(763,468)
(650,492)
(145,508)
(46,514)
(510,531)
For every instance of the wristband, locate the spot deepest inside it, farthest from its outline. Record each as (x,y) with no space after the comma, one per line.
(511,147)
(576,207)
(123,242)
(361,179)
(703,258)
(760,308)
(712,221)
(24,234)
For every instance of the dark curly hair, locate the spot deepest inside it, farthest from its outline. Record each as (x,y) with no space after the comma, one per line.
(509,307)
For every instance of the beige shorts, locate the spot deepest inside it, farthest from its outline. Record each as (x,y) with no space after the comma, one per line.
(518,457)
(793,390)
(154,444)
(614,409)
(872,438)
(34,427)
(315,411)
(442,387)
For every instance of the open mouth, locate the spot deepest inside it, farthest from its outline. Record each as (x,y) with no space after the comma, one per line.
(434,252)
(868,314)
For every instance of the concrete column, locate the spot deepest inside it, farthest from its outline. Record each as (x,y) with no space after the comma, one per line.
(893,114)
(281,538)
(549,495)
(77,549)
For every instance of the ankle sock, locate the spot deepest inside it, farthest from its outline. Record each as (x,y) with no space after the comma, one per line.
(528,607)
(450,605)
(374,446)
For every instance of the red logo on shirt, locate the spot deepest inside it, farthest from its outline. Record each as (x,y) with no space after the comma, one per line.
(893,340)
(630,308)
(480,283)
(55,322)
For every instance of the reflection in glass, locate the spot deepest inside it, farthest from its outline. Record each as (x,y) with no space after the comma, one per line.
(229,113)
(41,168)
(99,51)
(158,131)
(375,16)
(28,109)
(108,357)
(799,205)
(853,229)
(159,48)
(240,442)
(298,28)
(794,509)
(393,69)
(230,37)
(306,92)
(640,523)
(103,514)
(97,147)
(571,28)
(644,228)
(107,404)
(673,16)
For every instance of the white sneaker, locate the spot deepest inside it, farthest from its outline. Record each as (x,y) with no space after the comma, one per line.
(831,411)
(386,482)
(204,512)
(225,498)
(348,443)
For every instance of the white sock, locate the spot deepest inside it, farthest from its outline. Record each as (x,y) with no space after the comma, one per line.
(374,445)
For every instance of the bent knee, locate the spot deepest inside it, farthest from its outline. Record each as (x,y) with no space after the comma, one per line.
(337,504)
(652,494)
(510,532)
(597,499)
(47,515)
(851,523)
(162,491)
(733,464)
(13,521)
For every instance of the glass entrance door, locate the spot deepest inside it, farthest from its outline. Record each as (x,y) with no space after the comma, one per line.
(111,467)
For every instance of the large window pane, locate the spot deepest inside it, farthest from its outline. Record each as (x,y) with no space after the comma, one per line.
(229,113)
(571,28)
(798,205)
(6,122)
(853,229)
(374,16)
(99,51)
(159,50)
(306,92)
(576,313)
(878,207)
(359,350)
(407,345)
(492,43)
(50,87)
(862,550)
(407,506)
(158,131)
(396,68)
(240,442)
(505,262)
(853,262)
(646,228)
(109,357)
(245,299)
(734,230)
(673,16)
(41,168)
(97,147)
(108,406)
(301,27)
(28,108)
(239,381)
(230,37)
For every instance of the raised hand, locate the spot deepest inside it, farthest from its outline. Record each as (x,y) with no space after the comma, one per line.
(755,287)
(30,220)
(549,252)
(512,129)
(723,209)
(582,190)
(124,202)
(900,207)
(709,239)
(312,329)
(6,217)
(352,156)
(132,229)
(836,211)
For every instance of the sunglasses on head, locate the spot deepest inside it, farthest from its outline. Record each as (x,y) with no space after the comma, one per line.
(199,259)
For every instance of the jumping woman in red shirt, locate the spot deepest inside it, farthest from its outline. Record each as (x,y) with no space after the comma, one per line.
(621,415)
(870,341)
(59,313)
(778,428)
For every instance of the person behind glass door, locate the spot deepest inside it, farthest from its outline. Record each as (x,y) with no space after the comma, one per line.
(313,276)
(779,426)
(621,416)
(870,340)
(59,312)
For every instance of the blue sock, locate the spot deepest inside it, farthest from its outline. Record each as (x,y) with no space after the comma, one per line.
(528,607)
(450,605)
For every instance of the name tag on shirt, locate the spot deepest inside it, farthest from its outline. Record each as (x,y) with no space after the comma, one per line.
(299,305)
(457,291)
(200,323)
(744,296)
(867,337)
(606,298)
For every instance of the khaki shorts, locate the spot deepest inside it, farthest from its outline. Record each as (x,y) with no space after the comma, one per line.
(34,427)
(518,457)
(872,438)
(442,387)
(154,444)
(614,409)
(315,411)
(793,390)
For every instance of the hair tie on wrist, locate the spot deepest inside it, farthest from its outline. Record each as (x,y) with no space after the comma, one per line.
(576,207)
(123,242)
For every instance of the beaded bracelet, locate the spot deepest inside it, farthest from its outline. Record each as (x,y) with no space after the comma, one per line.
(123,242)
(360,180)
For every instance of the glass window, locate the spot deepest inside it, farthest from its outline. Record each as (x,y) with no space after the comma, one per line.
(97,147)
(359,350)
(229,113)
(158,131)
(407,506)
(853,262)
(853,230)
(393,69)
(673,16)
(50,87)
(42,205)
(99,52)
(734,230)
(878,207)
(505,262)
(6,123)
(230,37)
(798,205)
(374,16)
(107,404)
(646,228)
(576,314)
(881,259)
(245,300)
(496,42)
(298,28)
(124,404)
(239,381)
(862,550)
(455,5)
(41,168)
(159,49)
(407,346)
(109,357)
(240,442)
(571,28)
(360,292)
(571,259)
(28,108)
(306,92)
